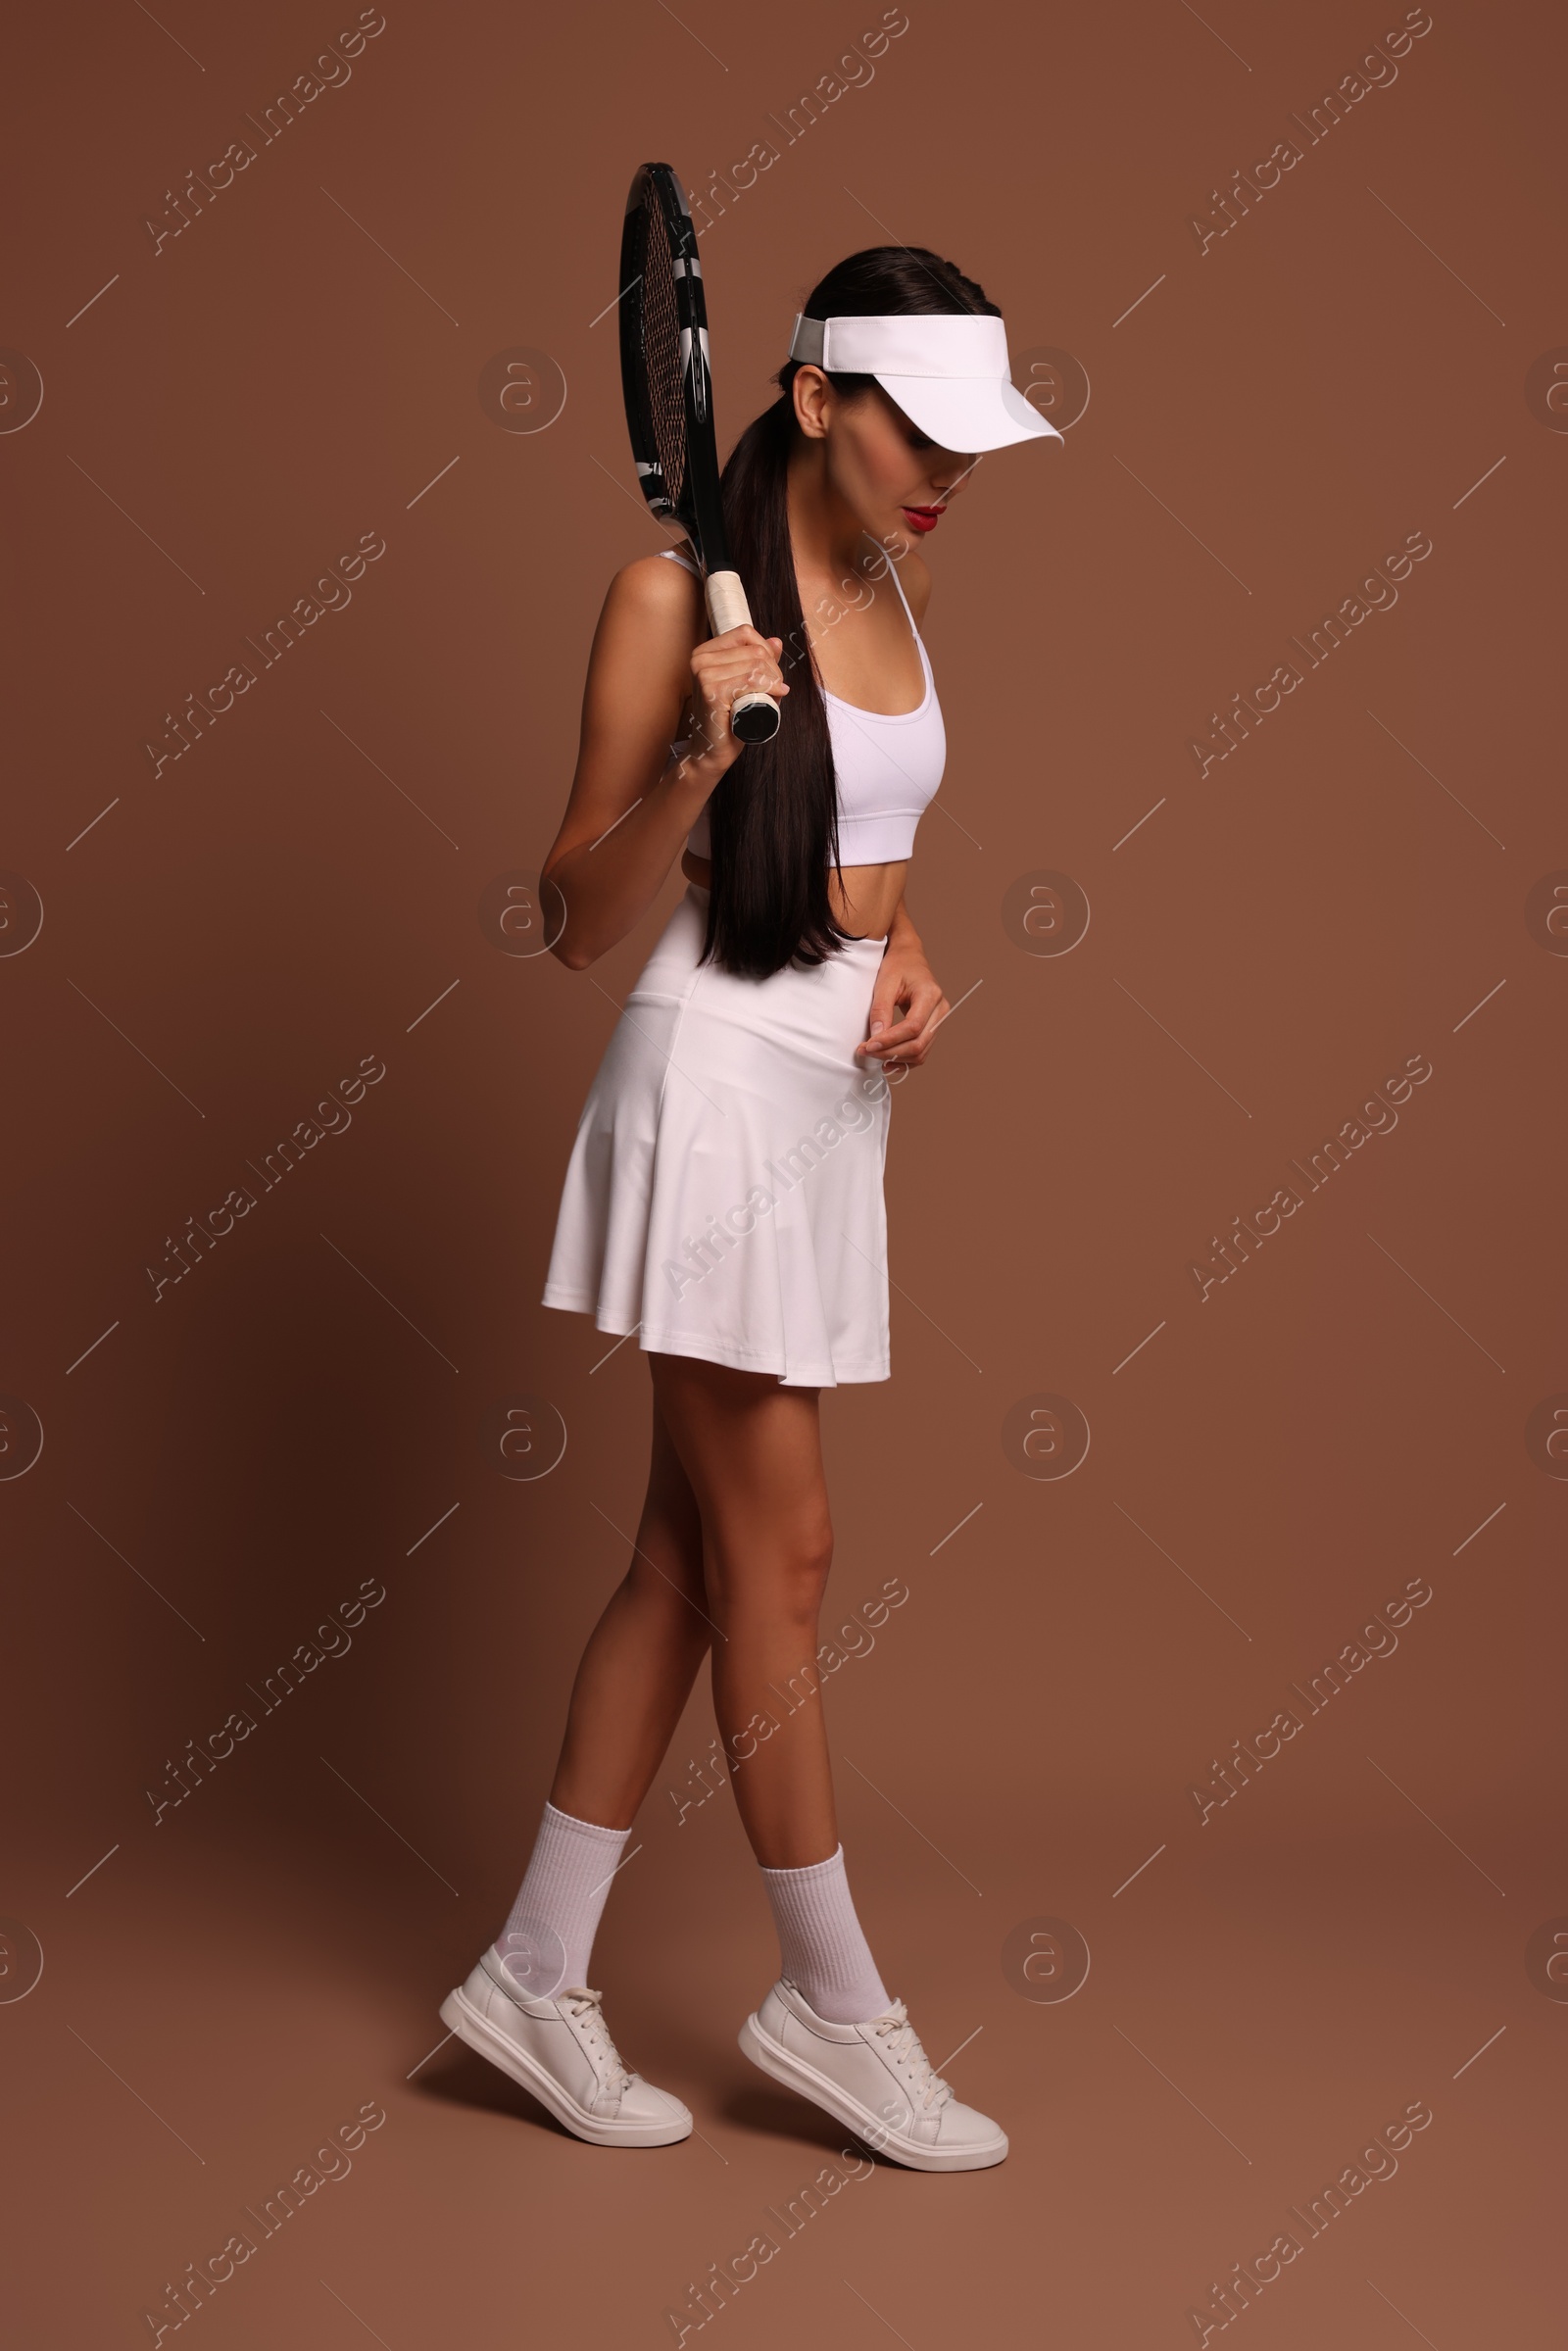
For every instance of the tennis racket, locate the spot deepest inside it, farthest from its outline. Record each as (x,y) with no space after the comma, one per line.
(669,403)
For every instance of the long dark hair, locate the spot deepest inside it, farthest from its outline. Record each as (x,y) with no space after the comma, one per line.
(773,819)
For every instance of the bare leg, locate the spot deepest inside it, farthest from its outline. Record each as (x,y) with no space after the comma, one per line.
(528,2005)
(753,1455)
(642,1658)
(733,1550)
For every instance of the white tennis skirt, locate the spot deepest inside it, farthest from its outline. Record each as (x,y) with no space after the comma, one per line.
(725,1194)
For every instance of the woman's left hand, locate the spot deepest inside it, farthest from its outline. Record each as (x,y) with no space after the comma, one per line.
(904,985)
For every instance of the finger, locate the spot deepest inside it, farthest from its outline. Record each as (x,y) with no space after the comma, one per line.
(891,992)
(925,999)
(910,1042)
(923,1043)
(916,1020)
(734,638)
(903,1032)
(723,659)
(728,660)
(738,669)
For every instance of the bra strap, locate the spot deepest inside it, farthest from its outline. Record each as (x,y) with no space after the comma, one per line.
(903,599)
(925,662)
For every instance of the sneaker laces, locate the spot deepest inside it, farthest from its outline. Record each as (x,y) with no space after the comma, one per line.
(902,2044)
(583,2006)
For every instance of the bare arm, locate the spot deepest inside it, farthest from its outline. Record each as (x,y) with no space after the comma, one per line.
(907,1005)
(632,804)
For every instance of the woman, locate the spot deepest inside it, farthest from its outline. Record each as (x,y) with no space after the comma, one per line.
(724,1195)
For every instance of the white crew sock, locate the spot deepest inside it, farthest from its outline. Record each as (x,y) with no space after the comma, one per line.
(824,1952)
(548,1939)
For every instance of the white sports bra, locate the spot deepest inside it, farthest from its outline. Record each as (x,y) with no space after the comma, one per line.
(887,765)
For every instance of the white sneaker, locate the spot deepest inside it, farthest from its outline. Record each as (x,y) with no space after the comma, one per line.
(561,2050)
(873,2077)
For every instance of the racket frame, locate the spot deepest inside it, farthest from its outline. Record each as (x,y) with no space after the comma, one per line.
(698,507)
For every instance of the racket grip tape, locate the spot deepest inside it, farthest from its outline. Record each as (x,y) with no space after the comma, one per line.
(753,717)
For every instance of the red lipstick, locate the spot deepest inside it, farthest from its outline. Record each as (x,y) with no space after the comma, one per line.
(922,518)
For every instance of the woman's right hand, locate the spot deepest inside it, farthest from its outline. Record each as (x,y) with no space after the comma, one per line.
(722,669)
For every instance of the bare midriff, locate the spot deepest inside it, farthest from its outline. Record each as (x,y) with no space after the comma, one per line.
(863,903)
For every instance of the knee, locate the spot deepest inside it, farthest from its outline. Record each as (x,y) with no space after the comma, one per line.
(788,1581)
(808,1559)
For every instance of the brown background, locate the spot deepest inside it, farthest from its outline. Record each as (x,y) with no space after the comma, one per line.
(222,1988)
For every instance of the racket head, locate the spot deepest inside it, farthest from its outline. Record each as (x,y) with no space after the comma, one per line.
(664,375)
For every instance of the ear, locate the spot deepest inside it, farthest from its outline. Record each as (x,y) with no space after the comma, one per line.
(813,396)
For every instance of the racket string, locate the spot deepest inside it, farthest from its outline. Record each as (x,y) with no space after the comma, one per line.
(663,355)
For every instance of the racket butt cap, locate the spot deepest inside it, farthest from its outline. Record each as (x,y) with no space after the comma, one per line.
(754,718)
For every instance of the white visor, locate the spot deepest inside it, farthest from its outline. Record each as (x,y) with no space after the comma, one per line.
(949,374)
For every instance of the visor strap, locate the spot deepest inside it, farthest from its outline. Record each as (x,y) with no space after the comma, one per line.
(805,343)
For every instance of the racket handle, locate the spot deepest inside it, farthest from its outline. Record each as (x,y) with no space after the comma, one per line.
(753,718)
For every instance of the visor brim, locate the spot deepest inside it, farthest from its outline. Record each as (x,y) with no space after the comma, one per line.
(968,415)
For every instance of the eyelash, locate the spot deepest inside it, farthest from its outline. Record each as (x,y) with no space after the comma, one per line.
(918,440)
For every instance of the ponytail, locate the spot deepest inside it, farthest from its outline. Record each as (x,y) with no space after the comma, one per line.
(773,819)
